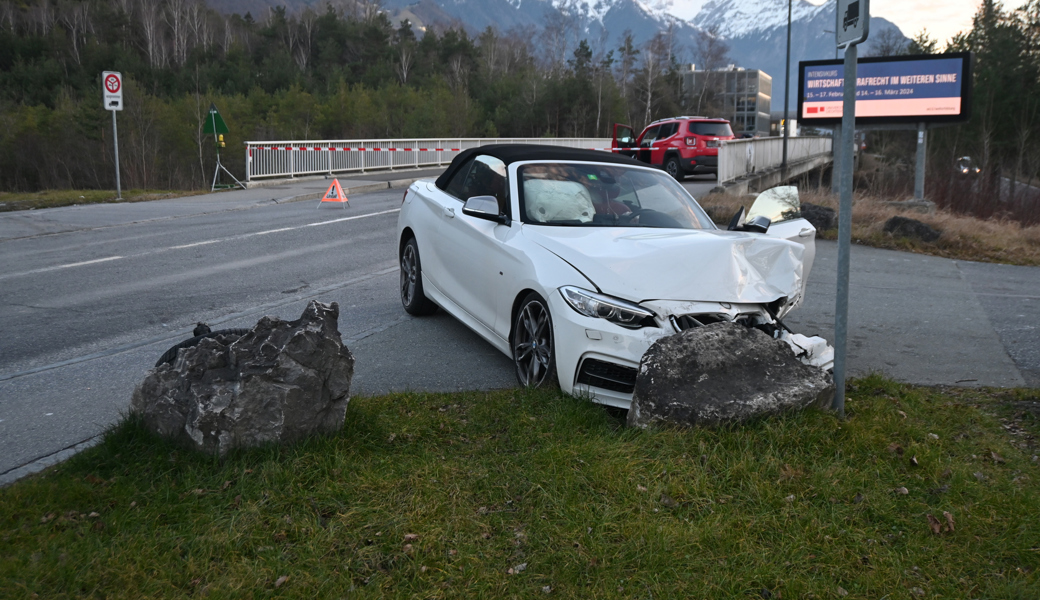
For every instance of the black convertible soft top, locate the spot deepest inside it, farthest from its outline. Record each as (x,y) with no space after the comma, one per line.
(511,153)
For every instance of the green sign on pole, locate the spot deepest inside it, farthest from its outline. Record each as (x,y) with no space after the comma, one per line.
(214,122)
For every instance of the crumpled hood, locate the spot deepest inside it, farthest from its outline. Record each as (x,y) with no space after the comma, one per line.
(670,264)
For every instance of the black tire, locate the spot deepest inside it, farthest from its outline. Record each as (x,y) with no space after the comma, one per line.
(673,167)
(412,298)
(170,355)
(534,348)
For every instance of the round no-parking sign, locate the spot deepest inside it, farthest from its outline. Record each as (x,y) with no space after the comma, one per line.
(112,93)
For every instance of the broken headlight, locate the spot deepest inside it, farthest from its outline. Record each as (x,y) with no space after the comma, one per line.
(612,309)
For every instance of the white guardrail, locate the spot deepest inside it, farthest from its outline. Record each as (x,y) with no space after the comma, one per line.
(326,157)
(739,158)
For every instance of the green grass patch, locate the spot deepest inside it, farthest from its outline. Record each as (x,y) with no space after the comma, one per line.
(518,494)
(10,201)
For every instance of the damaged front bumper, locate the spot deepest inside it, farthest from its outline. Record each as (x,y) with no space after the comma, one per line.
(599,360)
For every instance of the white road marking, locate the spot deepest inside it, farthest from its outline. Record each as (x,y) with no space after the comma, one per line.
(67,266)
(195,244)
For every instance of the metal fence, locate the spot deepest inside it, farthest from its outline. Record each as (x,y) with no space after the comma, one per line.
(739,158)
(301,158)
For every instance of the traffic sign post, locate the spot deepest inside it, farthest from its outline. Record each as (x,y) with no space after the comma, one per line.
(215,125)
(855,21)
(112,99)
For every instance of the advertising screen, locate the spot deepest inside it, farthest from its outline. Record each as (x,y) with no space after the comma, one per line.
(900,89)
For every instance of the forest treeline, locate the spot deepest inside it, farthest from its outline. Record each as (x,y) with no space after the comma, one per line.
(343,70)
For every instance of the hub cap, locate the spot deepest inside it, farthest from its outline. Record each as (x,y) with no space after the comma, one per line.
(532,344)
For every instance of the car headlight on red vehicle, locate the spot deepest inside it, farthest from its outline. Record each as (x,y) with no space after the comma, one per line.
(599,306)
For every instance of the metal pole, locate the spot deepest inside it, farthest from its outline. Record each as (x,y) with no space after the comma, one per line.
(922,154)
(841,308)
(836,148)
(836,132)
(115,139)
(787,93)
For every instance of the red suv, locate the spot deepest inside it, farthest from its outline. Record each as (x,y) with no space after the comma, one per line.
(679,145)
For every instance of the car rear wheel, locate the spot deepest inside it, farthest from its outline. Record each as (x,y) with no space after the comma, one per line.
(534,352)
(674,168)
(415,302)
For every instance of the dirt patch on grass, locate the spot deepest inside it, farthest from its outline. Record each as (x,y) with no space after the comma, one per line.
(11,201)
(963,238)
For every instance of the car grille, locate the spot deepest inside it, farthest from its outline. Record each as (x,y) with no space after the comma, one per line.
(608,376)
(684,322)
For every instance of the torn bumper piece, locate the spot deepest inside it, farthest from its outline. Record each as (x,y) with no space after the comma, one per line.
(813,351)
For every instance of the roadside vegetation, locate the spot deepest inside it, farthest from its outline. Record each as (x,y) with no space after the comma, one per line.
(920,493)
(53,198)
(998,240)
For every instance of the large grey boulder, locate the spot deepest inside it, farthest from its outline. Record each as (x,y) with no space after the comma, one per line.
(821,217)
(280,382)
(911,228)
(723,373)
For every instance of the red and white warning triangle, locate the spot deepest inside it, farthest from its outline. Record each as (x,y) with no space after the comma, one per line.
(334,194)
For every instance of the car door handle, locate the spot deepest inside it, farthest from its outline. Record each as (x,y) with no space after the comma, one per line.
(805,232)
(449,212)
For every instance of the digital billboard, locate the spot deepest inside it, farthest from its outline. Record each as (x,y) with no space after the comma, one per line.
(894,89)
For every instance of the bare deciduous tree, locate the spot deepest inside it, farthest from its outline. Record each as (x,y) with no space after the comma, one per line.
(887,42)
(150,18)
(75,16)
(7,16)
(405,56)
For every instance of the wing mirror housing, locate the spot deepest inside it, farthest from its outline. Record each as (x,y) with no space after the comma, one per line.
(756,224)
(485,207)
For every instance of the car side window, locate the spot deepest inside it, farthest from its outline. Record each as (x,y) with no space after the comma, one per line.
(668,130)
(650,136)
(483,176)
(457,185)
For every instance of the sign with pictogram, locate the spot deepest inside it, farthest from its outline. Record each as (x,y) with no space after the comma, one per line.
(112,90)
(854,22)
(334,194)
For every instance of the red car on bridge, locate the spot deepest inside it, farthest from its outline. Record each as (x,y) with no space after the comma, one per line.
(679,145)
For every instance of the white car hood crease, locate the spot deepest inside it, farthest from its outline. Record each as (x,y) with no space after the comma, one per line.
(671,264)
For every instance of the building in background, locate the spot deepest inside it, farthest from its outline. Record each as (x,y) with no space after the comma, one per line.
(742,96)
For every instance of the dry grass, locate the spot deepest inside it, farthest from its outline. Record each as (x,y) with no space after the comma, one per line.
(963,237)
(11,201)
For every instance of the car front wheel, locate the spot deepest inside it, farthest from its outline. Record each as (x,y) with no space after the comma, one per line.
(533,349)
(412,297)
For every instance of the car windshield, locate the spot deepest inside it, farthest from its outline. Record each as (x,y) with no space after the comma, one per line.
(703,128)
(591,195)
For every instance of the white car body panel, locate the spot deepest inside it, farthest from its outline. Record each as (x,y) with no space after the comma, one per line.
(478,270)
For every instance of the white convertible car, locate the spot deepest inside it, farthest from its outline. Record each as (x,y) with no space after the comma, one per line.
(573,262)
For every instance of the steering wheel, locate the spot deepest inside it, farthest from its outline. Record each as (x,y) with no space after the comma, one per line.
(630,217)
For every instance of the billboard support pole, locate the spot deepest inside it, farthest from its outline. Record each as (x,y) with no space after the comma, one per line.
(841,308)
(787,94)
(922,157)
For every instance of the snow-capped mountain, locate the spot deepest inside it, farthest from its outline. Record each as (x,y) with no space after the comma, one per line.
(755,30)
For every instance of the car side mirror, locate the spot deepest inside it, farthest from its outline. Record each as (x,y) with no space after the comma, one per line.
(759,224)
(485,207)
(737,222)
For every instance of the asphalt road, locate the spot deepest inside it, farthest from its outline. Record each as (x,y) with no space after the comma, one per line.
(90,297)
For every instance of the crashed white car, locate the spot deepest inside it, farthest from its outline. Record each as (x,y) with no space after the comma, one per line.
(573,262)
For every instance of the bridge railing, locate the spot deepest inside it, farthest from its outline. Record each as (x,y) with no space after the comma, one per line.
(740,158)
(281,159)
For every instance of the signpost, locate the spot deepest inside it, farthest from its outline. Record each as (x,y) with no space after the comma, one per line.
(215,125)
(112,99)
(855,26)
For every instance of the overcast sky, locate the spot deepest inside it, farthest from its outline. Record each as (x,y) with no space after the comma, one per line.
(942,18)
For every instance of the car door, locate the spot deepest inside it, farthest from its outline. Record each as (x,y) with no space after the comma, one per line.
(783,208)
(661,144)
(646,144)
(623,138)
(471,253)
